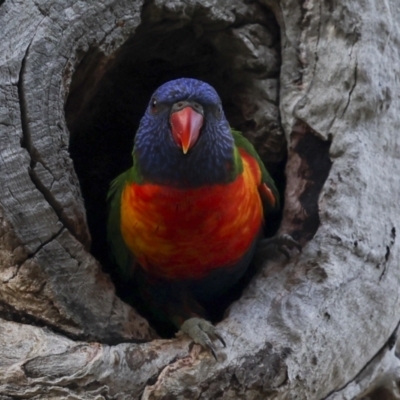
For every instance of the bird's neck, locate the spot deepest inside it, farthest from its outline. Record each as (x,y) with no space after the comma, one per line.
(206,164)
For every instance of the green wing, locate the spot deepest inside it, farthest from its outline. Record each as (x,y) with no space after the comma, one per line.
(119,251)
(242,142)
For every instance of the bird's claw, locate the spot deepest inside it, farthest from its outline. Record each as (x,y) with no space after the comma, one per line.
(281,241)
(201,331)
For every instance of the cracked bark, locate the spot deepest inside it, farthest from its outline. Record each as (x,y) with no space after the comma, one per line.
(319,326)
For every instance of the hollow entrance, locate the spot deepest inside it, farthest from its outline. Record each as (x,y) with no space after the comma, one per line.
(108,96)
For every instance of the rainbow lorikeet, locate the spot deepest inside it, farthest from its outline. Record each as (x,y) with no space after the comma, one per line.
(185,220)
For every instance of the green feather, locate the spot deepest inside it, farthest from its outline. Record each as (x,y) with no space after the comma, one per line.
(242,142)
(119,251)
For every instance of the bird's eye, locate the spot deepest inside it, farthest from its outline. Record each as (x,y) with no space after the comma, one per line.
(218,111)
(154,105)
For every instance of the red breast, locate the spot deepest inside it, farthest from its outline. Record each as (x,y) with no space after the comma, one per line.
(187,233)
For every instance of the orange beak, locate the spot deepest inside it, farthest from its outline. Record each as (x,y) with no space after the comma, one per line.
(185,126)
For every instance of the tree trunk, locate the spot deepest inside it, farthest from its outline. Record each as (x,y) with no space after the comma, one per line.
(320,326)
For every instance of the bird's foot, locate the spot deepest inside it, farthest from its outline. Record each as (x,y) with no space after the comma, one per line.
(282,242)
(202,331)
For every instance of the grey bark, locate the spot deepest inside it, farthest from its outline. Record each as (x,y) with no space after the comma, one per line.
(320,326)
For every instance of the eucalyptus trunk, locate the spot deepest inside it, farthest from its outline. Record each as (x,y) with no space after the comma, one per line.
(313,84)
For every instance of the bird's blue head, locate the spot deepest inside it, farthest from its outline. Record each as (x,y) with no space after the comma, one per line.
(184,139)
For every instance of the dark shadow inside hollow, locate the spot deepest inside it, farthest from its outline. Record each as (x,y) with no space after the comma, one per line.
(310,164)
(108,96)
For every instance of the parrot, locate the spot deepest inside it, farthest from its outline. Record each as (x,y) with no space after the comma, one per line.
(185,220)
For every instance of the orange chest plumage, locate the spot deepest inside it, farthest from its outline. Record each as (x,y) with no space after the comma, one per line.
(187,233)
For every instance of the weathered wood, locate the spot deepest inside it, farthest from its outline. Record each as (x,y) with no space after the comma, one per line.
(39,364)
(318,326)
(49,276)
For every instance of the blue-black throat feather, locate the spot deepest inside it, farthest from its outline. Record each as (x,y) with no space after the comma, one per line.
(161,161)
